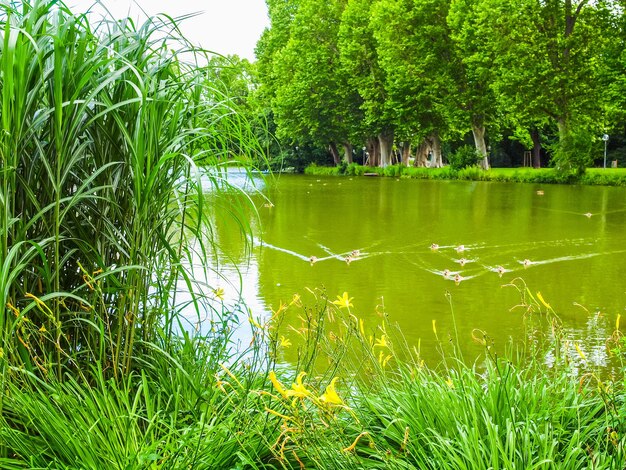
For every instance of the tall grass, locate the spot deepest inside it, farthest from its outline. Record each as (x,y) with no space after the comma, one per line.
(106,135)
(111,134)
(395,411)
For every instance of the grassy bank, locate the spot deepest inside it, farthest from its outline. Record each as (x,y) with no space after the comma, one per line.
(593,176)
(358,396)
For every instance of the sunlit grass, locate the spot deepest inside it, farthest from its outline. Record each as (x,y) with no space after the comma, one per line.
(593,176)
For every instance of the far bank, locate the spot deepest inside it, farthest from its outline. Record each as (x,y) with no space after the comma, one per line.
(593,176)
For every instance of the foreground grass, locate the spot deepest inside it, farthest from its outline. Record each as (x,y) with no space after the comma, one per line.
(593,176)
(357,396)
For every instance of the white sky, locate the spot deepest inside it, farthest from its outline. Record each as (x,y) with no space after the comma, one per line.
(224,26)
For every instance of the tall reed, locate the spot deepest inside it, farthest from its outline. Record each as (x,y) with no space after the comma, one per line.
(109,133)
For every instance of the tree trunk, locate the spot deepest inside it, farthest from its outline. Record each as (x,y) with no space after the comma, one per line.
(534,135)
(386,142)
(332,147)
(347,152)
(481,147)
(421,154)
(373,148)
(406,153)
(435,143)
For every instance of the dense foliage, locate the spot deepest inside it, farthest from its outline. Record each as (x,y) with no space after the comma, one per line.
(116,354)
(415,79)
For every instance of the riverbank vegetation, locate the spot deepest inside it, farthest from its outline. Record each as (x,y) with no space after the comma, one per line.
(380,82)
(116,354)
(358,396)
(593,176)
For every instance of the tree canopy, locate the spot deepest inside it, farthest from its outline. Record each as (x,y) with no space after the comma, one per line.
(434,75)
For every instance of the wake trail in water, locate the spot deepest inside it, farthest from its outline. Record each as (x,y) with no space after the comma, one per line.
(571,258)
(284,250)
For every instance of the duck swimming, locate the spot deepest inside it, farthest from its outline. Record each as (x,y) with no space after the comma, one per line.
(434,247)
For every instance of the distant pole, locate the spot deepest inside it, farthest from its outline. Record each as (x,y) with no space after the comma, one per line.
(605,137)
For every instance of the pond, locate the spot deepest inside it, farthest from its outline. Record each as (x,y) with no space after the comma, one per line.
(406,241)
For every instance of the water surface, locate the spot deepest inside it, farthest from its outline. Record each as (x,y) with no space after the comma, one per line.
(568,242)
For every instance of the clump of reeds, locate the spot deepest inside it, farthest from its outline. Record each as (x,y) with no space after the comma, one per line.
(108,135)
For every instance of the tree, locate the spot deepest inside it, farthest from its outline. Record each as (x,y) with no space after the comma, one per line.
(473,74)
(359,59)
(545,64)
(416,54)
(313,100)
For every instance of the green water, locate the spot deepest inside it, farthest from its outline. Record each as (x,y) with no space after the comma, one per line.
(577,260)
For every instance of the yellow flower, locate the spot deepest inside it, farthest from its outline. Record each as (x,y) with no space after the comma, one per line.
(218,292)
(382,342)
(277,385)
(449,382)
(281,307)
(231,375)
(42,329)
(382,359)
(343,301)
(330,395)
(298,389)
(284,342)
(580,352)
(254,322)
(540,297)
(352,446)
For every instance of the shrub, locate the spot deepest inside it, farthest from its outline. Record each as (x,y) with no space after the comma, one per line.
(572,154)
(463,157)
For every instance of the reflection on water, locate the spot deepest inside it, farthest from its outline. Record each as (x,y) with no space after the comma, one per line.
(411,242)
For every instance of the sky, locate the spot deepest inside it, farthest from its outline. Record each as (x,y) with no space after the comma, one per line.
(224,26)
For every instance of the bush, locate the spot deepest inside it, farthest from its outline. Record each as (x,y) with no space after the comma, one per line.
(464,157)
(393,170)
(572,154)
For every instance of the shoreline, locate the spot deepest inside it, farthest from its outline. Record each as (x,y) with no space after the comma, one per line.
(592,177)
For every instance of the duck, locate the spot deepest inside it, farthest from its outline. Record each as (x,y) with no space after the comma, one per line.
(313,259)
(446,273)
(588,214)
(527,262)
(457,279)
(348,259)
(462,261)
(460,248)
(500,270)
(540,192)
(355,253)
(434,247)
